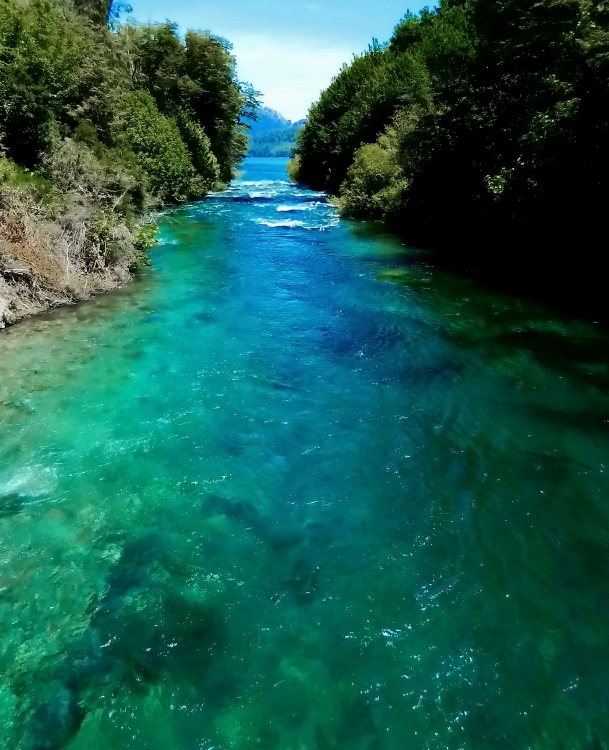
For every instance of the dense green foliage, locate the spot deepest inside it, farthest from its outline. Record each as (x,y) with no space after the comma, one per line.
(276,142)
(166,112)
(194,81)
(100,123)
(479,114)
(160,150)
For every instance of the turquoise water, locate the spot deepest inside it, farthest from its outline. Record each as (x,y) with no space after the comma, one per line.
(296,489)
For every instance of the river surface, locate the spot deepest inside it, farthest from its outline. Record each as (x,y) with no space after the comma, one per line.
(296,489)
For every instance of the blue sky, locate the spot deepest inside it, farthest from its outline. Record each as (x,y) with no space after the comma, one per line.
(288,50)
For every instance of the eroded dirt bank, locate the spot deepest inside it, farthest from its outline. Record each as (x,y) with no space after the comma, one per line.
(47,259)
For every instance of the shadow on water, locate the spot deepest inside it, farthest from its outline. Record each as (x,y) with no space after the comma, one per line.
(502,322)
(556,279)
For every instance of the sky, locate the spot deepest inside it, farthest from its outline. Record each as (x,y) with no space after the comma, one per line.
(288,50)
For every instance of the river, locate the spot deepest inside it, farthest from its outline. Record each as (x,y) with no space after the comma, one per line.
(297,489)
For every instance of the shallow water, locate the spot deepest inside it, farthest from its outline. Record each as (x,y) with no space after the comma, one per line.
(295,489)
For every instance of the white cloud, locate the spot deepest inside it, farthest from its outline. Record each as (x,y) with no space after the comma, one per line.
(290,75)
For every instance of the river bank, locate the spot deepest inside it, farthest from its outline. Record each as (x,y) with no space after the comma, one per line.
(88,148)
(48,259)
(24,292)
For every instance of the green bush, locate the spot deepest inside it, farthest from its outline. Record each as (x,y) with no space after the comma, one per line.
(293,168)
(144,239)
(19,177)
(203,159)
(374,183)
(479,113)
(160,150)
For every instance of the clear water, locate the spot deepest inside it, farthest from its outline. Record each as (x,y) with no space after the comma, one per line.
(293,489)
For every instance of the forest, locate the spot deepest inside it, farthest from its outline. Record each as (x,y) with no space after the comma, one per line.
(480,129)
(279,142)
(100,123)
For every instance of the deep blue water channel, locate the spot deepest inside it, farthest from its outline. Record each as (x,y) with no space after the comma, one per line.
(297,489)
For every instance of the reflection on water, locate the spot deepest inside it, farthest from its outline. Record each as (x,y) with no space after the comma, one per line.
(296,489)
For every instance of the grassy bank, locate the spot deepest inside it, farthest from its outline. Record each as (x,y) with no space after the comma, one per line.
(101,124)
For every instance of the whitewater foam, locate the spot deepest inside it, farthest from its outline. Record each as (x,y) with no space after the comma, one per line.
(302,207)
(289,223)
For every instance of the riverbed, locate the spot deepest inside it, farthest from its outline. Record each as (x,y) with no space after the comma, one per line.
(296,488)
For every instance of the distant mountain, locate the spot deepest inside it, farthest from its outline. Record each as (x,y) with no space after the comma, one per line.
(276,142)
(272,134)
(268,119)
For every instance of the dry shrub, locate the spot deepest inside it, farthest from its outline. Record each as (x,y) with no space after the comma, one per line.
(74,169)
(29,240)
(56,255)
